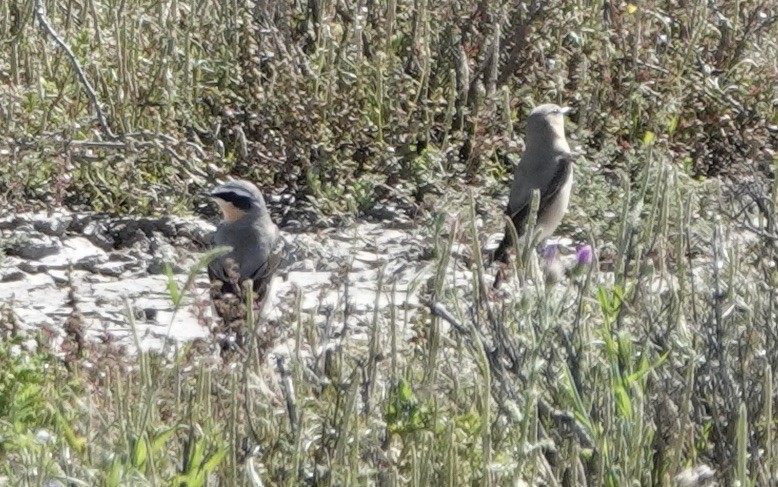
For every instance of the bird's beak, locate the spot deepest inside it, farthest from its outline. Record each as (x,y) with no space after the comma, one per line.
(565,110)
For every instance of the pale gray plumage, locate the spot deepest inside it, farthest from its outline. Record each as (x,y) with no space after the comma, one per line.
(546,165)
(254,238)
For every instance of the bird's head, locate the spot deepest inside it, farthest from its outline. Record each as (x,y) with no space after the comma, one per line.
(546,123)
(238,198)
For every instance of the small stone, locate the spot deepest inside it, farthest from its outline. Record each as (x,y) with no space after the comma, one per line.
(59,276)
(97,233)
(383,212)
(306,279)
(139,314)
(198,231)
(696,476)
(293,224)
(33,282)
(32,267)
(137,240)
(114,269)
(7,223)
(34,245)
(150,314)
(165,225)
(76,251)
(11,275)
(369,257)
(120,257)
(21,224)
(163,255)
(390,236)
(55,225)
(305,265)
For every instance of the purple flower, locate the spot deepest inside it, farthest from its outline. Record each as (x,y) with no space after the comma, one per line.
(551,253)
(552,264)
(585,255)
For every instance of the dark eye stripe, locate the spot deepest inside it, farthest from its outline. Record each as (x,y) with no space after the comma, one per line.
(240,201)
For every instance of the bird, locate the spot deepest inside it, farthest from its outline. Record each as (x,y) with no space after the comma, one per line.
(256,249)
(545,165)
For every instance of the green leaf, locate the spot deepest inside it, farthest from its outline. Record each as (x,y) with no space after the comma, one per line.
(160,439)
(172,286)
(140,453)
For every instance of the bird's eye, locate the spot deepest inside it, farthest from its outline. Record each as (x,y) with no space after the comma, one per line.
(556,110)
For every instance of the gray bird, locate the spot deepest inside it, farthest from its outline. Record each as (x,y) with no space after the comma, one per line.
(255,240)
(546,165)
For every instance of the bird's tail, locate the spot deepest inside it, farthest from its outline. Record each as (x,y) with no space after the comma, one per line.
(500,254)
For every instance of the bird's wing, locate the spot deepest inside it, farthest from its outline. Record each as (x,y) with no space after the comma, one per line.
(547,194)
(562,174)
(216,268)
(262,275)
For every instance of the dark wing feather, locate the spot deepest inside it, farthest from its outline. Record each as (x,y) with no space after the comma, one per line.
(519,217)
(564,166)
(263,274)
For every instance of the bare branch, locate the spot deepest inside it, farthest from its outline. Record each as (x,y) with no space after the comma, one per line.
(40,13)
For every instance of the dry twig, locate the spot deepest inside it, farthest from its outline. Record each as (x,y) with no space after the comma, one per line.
(40,13)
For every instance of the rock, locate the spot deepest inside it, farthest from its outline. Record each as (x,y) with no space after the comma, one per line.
(6,223)
(131,287)
(97,233)
(308,279)
(132,261)
(166,226)
(59,276)
(11,275)
(371,258)
(305,265)
(121,257)
(76,251)
(163,254)
(20,223)
(114,269)
(9,266)
(55,225)
(30,282)
(696,476)
(382,212)
(363,298)
(198,231)
(32,267)
(33,245)
(137,240)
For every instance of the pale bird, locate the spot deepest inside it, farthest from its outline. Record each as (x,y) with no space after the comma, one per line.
(546,165)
